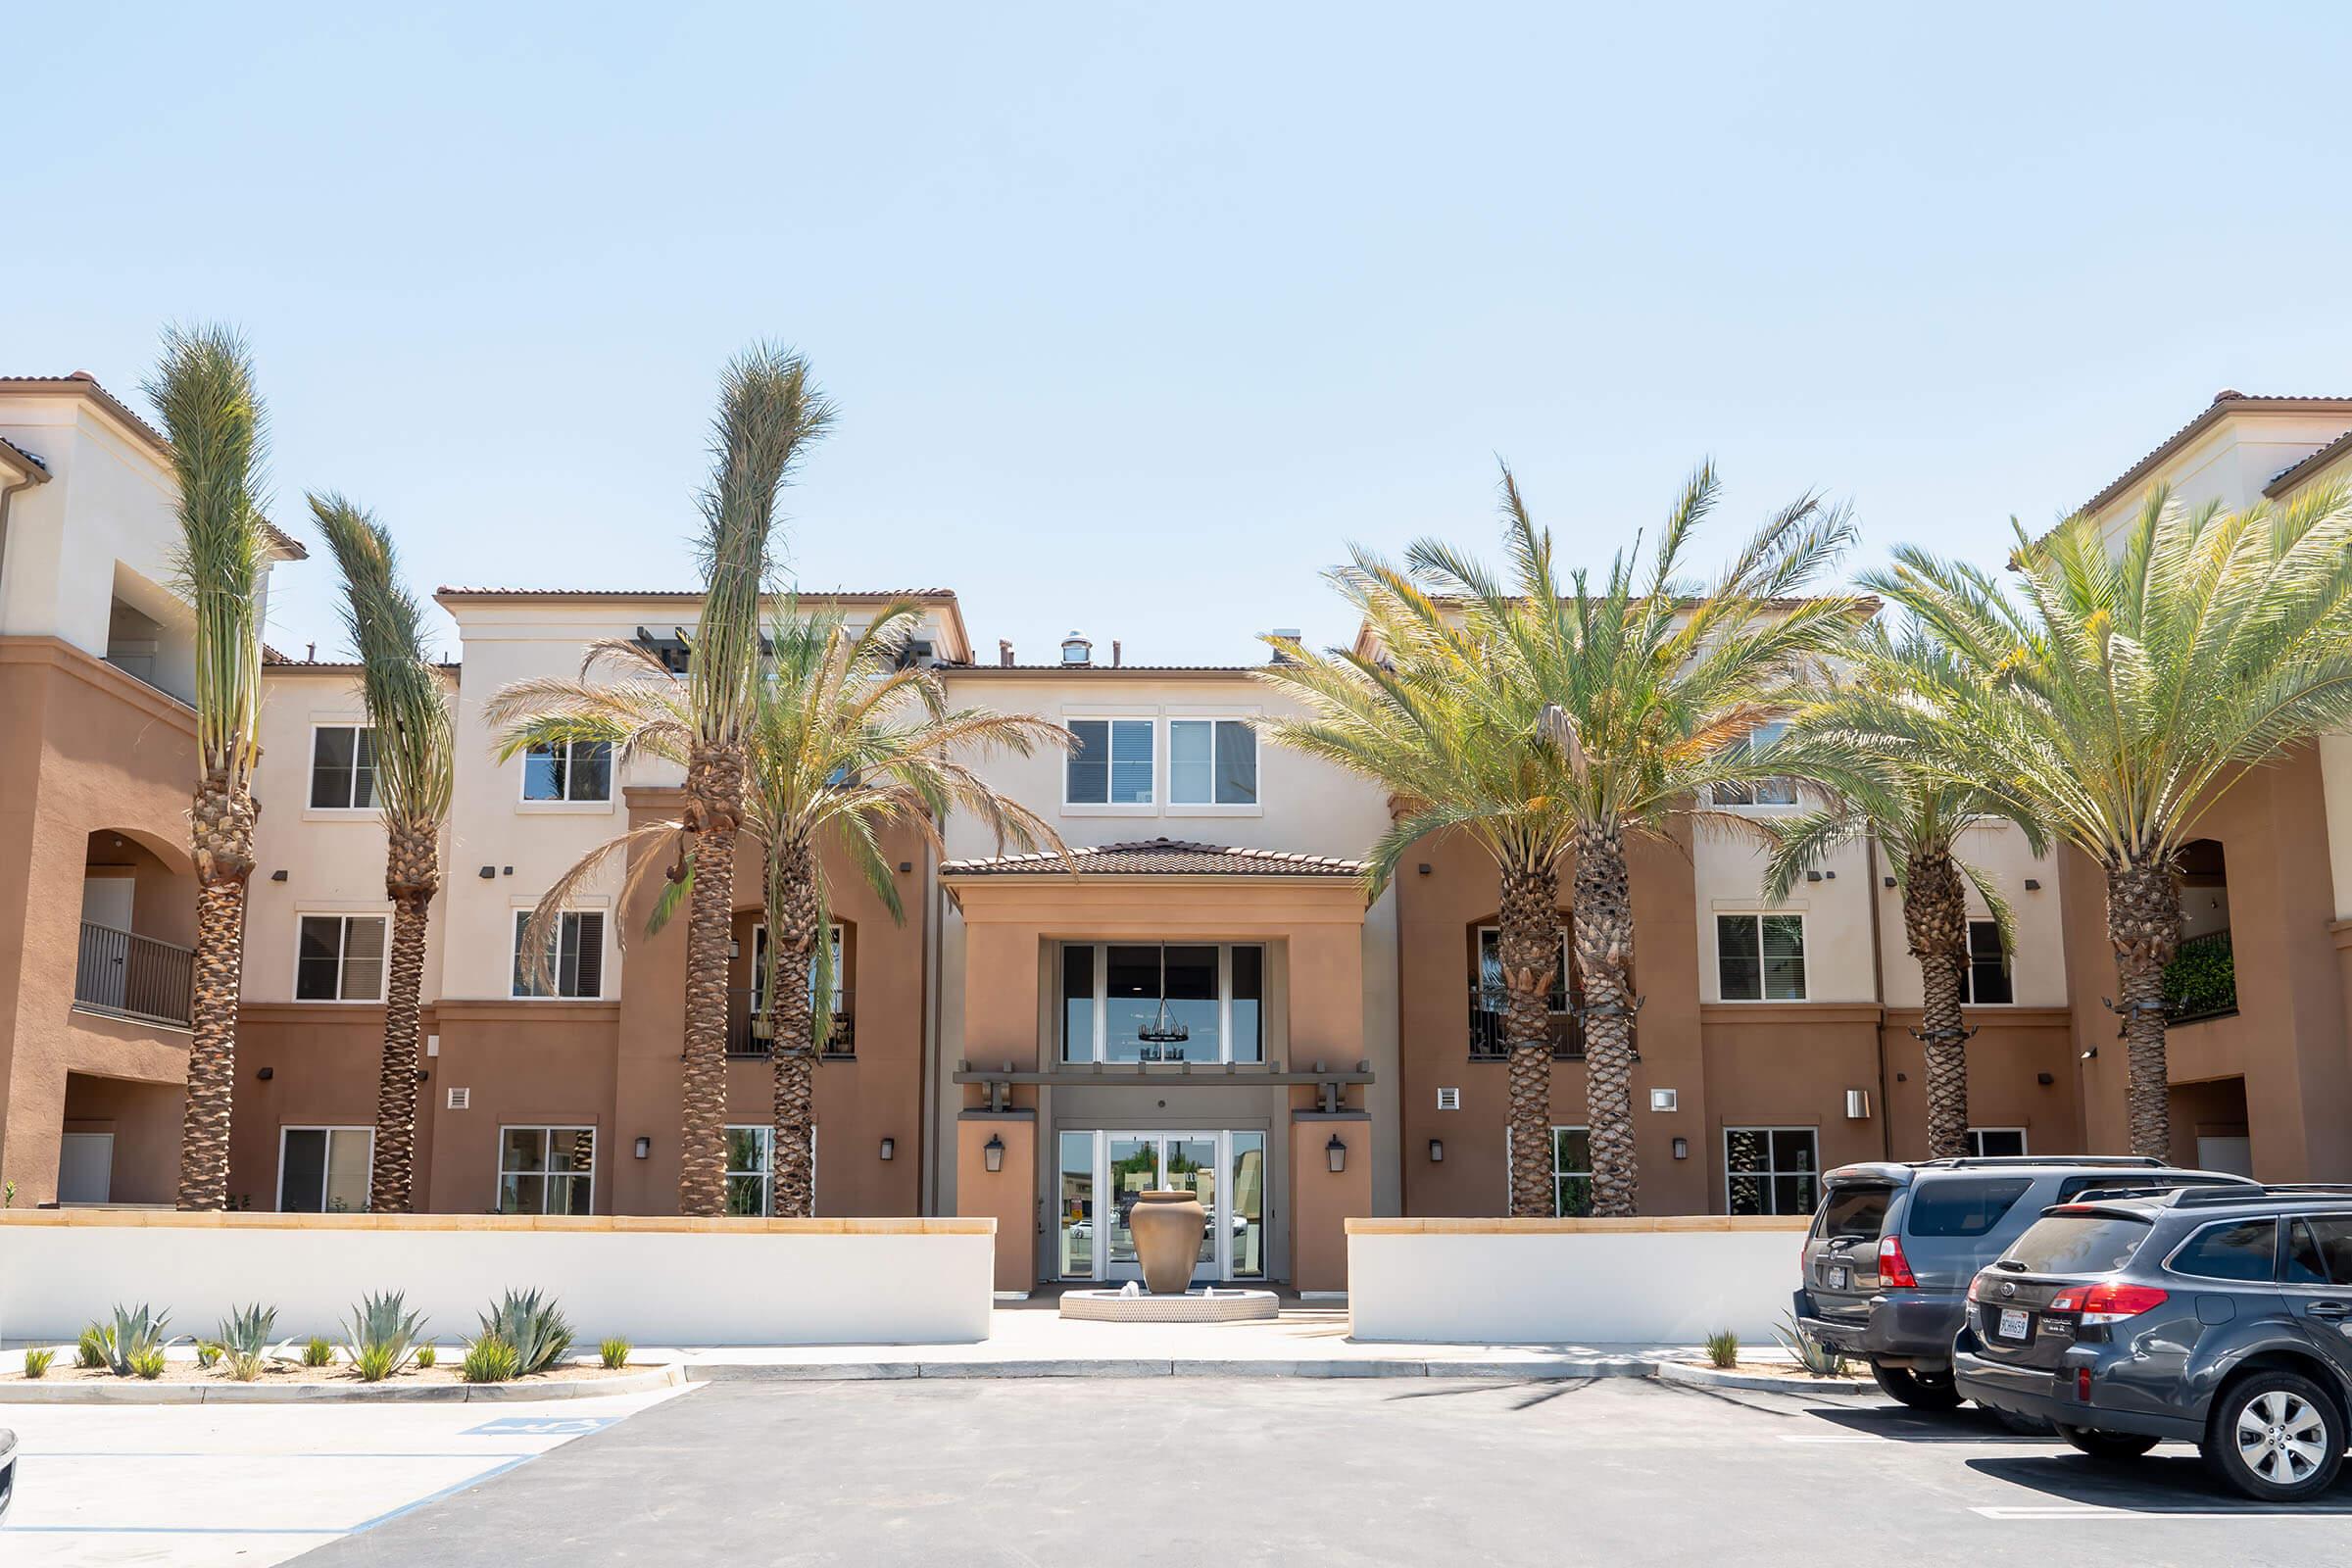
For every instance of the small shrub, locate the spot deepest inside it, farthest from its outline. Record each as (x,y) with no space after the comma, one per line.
(135,1332)
(426,1357)
(244,1340)
(95,1349)
(147,1363)
(490,1359)
(383,1335)
(318,1352)
(37,1362)
(1723,1349)
(533,1327)
(615,1353)
(207,1354)
(1814,1356)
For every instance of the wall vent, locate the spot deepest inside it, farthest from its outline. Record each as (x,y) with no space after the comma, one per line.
(460,1100)
(1663,1099)
(1449,1100)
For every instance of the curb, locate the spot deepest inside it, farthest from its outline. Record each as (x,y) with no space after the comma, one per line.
(1553,1368)
(136,1392)
(1707,1377)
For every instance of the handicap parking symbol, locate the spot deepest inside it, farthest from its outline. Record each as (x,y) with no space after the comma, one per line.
(523,1426)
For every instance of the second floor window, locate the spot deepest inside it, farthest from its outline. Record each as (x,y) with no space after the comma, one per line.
(1211,761)
(1114,995)
(1766,792)
(1760,958)
(343,767)
(1112,764)
(579,771)
(1987,965)
(340,957)
(575,956)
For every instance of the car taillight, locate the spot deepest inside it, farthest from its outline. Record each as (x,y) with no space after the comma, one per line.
(2108,1303)
(1894,1270)
(1972,1289)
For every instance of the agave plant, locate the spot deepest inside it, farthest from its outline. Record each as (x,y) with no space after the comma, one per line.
(532,1324)
(244,1340)
(382,1335)
(134,1338)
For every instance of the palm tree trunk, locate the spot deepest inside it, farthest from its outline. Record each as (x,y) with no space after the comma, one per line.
(713,813)
(2144,923)
(1935,924)
(1604,956)
(1528,944)
(411,875)
(221,838)
(794,928)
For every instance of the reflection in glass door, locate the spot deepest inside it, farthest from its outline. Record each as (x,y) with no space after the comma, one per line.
(1102,1173)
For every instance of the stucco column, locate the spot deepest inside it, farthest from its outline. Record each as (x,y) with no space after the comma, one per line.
(1323,1200)
(1000,1026)
(1327,995)
(1008,1195)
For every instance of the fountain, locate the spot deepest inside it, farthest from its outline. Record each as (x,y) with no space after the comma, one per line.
(1167,1227)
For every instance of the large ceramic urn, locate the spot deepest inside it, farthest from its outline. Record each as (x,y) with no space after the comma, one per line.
(1167,1228)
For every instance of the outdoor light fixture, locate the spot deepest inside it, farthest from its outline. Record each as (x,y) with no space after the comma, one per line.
(266,1074)
(992,1153)
(2033,884)
(2092,1054)
(1337,1152)
(890,1147)
(489,874)
(1682,1149)
(645,1148)
(2044,1079)
(278,875)
(1436,1151)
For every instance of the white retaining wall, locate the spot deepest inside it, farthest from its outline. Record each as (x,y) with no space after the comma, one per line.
(655,1282)
(1570,1282)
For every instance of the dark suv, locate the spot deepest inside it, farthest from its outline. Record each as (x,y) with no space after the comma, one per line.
(2218,1316)
(1887,1262)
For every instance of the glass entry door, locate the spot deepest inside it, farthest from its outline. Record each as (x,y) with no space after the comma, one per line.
(1103,1172)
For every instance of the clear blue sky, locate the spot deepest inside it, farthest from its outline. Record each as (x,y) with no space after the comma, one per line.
(1135,315)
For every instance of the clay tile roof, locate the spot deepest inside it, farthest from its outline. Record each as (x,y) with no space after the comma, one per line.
(2225,403)
(1160,857)
(32,462)
(682,595)
(2294,474)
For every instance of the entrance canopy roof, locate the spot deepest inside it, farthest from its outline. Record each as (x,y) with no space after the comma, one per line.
(1159,858)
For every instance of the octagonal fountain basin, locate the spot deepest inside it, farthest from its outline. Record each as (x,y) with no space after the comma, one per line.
(1219,1304)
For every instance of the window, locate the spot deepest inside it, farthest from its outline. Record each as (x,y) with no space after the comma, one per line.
(343,767)
(1771,1170)
(1761,958)
(1212,762)
(323,1170)
(750,1170)
(340,957)
(2078,1243)
(1492,996)
(1997,1143)
(759,972)
(1112,995)
(2241,1251)
(1769,792)
(1112,764)
(1854,1211)
(2319,1252)
(575,956)
(547,1170)
(1987,965)
(576,772)
(1571,1172)
(1963,1206)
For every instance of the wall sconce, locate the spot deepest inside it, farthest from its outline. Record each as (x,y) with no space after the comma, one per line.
(278,875)
(645,1148)
(890,1147)
(2092,1054)
(1424,868)
(1337,1153)
(1436,1151)
(2033,884)
(1682,1149)
(266,1074)
(992,1153)
(2044,1079)
(906,867)
(489,874)
(1857,1105)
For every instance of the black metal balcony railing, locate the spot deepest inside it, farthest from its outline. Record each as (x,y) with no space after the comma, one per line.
(131,976)
(2201,981)
(747,1030)
(1488,1038)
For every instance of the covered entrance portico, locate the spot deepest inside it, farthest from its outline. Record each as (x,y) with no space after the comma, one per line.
(1102,1170)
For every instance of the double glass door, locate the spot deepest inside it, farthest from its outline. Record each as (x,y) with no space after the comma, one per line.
(1102,1173)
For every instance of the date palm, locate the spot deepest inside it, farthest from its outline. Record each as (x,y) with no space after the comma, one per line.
(2120,689)
(414,758)
(204,391)
(1548,721)
(769,412)
(1920,818)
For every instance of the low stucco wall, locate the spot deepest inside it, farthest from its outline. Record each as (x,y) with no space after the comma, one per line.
(658,1282)
(1570,1282)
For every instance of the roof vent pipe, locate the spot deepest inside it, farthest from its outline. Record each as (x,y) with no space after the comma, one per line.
(1286,634)
(1004,651)
(1115,653)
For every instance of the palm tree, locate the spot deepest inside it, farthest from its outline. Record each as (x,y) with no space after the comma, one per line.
(414,758)
(204,391)
(1548,721)
(2121,694)
(1920,818)
(846,740)
(769,412)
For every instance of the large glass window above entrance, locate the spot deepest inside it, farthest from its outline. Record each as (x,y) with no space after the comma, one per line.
(1184,1001)
(1101,1173)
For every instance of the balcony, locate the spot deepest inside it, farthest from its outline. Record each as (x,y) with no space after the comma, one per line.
(127,976)
(2201,981)
(748,1034)
(1486,1033)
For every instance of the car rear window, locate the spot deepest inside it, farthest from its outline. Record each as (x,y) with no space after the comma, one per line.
(2247,1250)
(1963,1206)
(1856,1211)
(2078,1243)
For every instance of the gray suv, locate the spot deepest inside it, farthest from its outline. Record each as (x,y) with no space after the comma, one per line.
(1887,1262)
(2218,1316)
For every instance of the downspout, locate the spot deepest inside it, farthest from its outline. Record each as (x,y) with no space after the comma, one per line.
(34,475)
(1878,989)
(926,1142)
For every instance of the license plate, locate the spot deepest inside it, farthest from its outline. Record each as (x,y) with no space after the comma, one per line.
(1841,1279)
(2015,1325)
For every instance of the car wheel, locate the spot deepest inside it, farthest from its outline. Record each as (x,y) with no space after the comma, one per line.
(2274,1437)
(1921,1390)
(2107,1445)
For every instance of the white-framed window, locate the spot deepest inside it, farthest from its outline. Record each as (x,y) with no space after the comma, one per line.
(1764,792)
(323,1170)
(577,772)
(1760,958)
(340,957)
(759,971)
(1212,763)
(547,1170)
(1988,982)
(1112,995)
(1997,1143)
(342,767)
(1113,765)
(1571,1172)
(575,956)
(1771,1170)
(751,1168)
(1493,995)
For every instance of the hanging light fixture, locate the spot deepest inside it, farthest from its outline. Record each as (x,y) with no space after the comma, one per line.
(1163,1030)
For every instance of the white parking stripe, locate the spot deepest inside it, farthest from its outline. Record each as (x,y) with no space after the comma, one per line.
(2088,1510)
